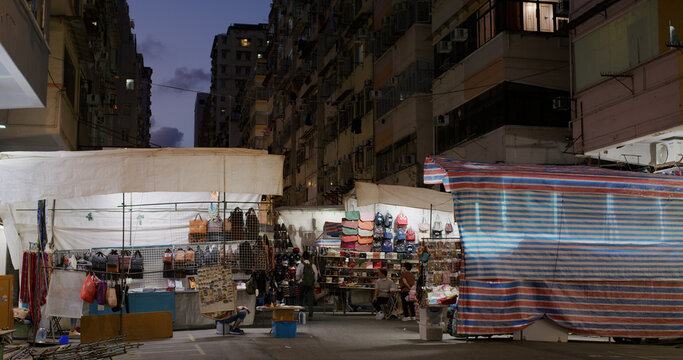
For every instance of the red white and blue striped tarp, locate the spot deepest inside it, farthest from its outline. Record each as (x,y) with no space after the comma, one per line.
(593,230)
(331,236)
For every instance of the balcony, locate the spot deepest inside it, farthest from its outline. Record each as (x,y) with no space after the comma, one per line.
(23,55)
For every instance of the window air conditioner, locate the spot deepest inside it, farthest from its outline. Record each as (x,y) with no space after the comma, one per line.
(459,34)
(561,103)
(392,81)
(664,152)
(444,47)
(375,94)
(441,120)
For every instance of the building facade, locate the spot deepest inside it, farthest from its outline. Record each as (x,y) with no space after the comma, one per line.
(501,81)
(93,89)
(627,90)
(233,56)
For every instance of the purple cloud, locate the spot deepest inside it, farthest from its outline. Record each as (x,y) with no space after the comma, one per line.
(152,48)
(167,137)
(189,78)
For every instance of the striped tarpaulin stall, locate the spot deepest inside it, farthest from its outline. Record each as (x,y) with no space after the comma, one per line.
(598,251)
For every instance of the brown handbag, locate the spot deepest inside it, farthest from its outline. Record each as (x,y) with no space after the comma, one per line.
(198,226)
(189,255)
(365,240)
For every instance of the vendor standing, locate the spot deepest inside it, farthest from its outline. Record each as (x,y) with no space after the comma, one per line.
(406,282)
(307,276)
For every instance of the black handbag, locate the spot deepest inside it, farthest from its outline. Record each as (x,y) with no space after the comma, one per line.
(99,262)
(137,265)
(113,262)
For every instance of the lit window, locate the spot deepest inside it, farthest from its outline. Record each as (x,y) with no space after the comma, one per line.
(222,110)
(245,42)
(259,56)
(130,84)
(538,16)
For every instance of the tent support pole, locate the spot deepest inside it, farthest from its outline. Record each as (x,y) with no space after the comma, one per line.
(123,247)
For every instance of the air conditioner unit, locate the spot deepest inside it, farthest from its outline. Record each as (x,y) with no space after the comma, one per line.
(392,81)
(561,103)
(441,120)
(444,47)
(459,34)
(375,94)
(665,152)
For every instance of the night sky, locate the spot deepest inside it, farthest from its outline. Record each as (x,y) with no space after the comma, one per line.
(175,37)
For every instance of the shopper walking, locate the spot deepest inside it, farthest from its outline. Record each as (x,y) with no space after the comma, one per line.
(383,288)
(307,276)
(406,282)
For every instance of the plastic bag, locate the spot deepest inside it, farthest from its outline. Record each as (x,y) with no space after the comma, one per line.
(89,288)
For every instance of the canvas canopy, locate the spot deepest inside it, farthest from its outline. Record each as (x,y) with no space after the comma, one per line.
(87,189)
(305,223)
(412,201)
(597,251)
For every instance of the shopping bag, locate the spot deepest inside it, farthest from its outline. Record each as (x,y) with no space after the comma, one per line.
(113,262)
(111,299)
(125,261)
(137,265)
(352,215)
(101,295)
(89,289)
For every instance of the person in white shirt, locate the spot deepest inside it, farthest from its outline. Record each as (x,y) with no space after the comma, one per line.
(383,288)
(307,276)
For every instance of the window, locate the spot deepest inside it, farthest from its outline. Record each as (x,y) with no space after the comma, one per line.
(247,56)
(238,69)
(223,69)
(126,109)
(130,84)
(224,40)
(486,22)
(539,15)
(259,55)
(238,55)
(245,42)
(223,83)
(223,110)
(224,53)
(222,98)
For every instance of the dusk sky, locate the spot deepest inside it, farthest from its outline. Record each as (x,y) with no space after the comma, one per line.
(175,37)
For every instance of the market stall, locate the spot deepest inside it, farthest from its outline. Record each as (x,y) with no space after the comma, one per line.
(161,213)
(595,251)
(383,228)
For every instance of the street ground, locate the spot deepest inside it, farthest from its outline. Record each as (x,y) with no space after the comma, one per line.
(363,337)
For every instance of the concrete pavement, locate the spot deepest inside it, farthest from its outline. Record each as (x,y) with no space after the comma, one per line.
(362,337)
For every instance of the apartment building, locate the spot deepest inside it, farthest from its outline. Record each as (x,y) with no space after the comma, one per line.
(233,56)
(86,72)
(627,89)
(404,68)
(500,91)
(254,114)
(202,119)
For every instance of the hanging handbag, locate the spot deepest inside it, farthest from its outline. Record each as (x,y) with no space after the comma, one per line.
(367,216)
(168,257)
(349,238)
(363,247)
(401,233)
(378,232)
(190,262)
(401,219)
(448,228)
(348,244)
(113,262)
(423,226)
(101,295)
(410,234)
(387,245)
(363,240)
(110,295)
(366,225)
(352,215)
(237,219)
(388,220)
(379,219)
(179,256)
(400,246)
(349,231)
(99,262)
(437,225)
(365,233)
(252,225)
(350,224)
(214,230)
(388,234)
(168,264)
(125,261)
(198,229)
(137,265)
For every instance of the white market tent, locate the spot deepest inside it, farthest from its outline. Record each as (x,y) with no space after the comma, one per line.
(414,202)
(87,189)
(305,223)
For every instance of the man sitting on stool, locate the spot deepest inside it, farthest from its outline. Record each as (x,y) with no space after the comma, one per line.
(383,288)
(236,319)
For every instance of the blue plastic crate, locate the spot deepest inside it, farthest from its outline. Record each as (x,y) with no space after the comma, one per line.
(284,329)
